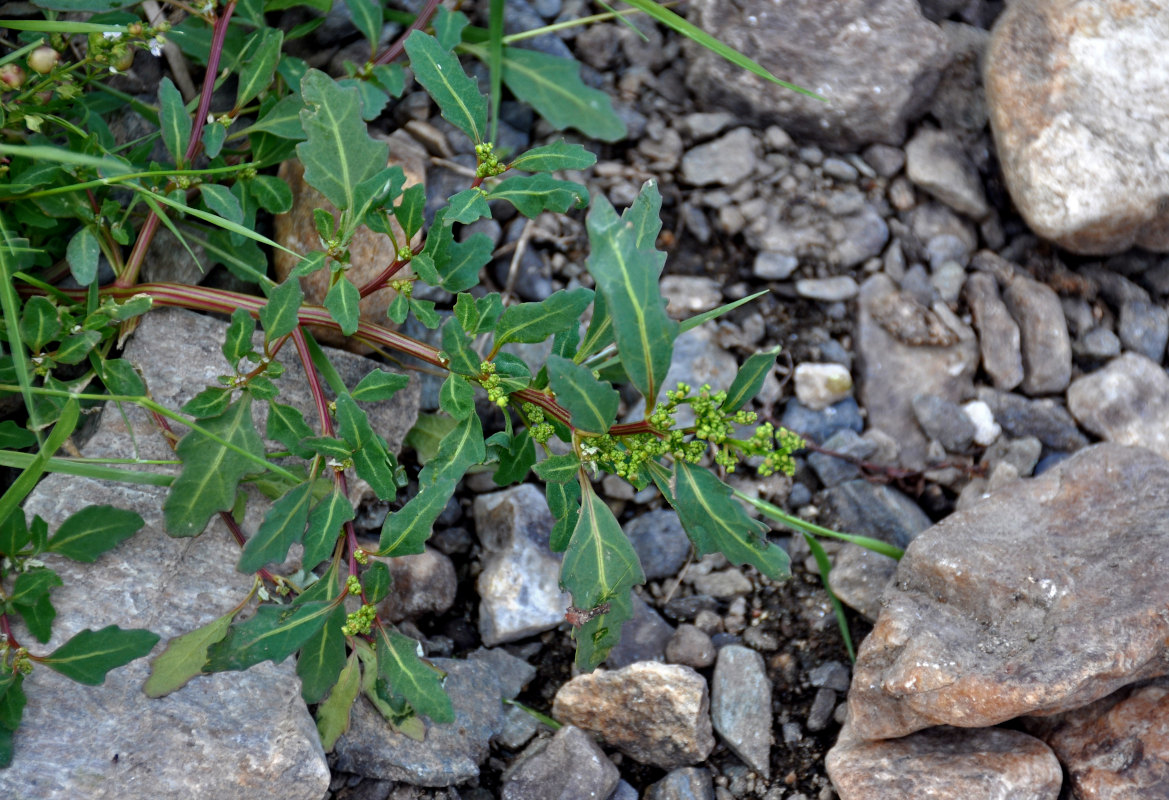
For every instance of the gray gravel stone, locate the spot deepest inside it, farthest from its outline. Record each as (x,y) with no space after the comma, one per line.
(886,160)
(828,290)
(660,542)
(830,675)
(1043,333)
(936,162)
(944,421)
(878,511)
(1098,343)
(862,235)
(1045,419)
(839,169)
(948,279)
(518,728)
(513,673)
(725,161)
(740,705)
(1144,329)
(423,584)
(998,333)
(519,586)
(1126,402)
(691,647)
(450,754)
(833,471)
(823,704)
(568,765)
(819,425)
(688,783)
(643,637)
(771,266)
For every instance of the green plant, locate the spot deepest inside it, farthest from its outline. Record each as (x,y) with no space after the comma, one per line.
(75,197)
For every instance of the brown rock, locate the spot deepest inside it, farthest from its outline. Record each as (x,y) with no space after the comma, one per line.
(1079,138)
(1117,748)
(656,713)
(1045,596)
(370,252)
(893,370)
(946,764)
(424,583)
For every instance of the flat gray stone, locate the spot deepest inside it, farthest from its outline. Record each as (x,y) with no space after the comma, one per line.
(519,587)
(998,333)
(449,753)
(936,162)
(688,783)
(567,765)
(1043,333)
(1043,597)
(740,705)
(725,161)
(876,61)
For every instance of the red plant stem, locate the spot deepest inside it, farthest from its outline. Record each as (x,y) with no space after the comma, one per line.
(129,275)
(395,50)
(6,629)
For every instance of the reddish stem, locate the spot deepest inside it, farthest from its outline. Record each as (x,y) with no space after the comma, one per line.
(395,50)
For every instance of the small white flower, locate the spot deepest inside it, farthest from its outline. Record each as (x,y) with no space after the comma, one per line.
(112,36)
(155,46)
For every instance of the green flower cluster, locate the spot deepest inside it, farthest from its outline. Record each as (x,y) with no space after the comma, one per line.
(404,286)
(489,165)
(360,621)
(540,430)
(20,660)
(625,456)
(493,384)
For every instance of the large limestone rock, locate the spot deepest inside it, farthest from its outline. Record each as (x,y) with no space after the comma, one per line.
(231,735)
(876,62)
(1076,93)
(1047,595)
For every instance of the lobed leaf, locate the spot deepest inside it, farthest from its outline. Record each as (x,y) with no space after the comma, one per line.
(467,206)
(237,342)
(459,449)
(371,457)
(551,157)
(279,314)
(535,322)
(553,87)
(456,397)
(211,471)
(533,194)
(405,531)
(457,348)
(258,69)
(344,303)
(400,665)
(379,385)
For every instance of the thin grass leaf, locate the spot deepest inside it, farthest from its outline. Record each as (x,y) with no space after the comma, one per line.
(825,568)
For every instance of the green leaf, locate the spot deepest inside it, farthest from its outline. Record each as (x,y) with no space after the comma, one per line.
(564,503)
(600,332)
(424,312)
(456,397)
(460,268)
(220,200)
(398,309)
(391,78)
(371,457)
(282,527)
(237,342)
(281,120)
(39,323)
(14,437)
(457,347)
(14,534)
(379,385)
(343,302)
(375,582)
(321,658)
(333,713)
(272,634)
(467,206)
(410,211)
(75,347)
(12,702)
(212,471)
(691,323)
(7,750)
(211,402)
(628,275)
(89,655)
(324,526)
(535,322)
(427,434)
(120,377)
(367,18)
(279,314)
(404,670)
(214,137)
(479,315)
(184,657)
(38,617)
(287,426)
(533,194)
(600,567)
(825,568)
(82,254)
(716,523)
(448,27)
(558,155)
(457,451)
(750,379)
(32,585)
(338,153)
(174,121)
(456,95)
(558,469)
(516,460)
(405,531)
(273,194)
(260,66)
(553,87)
(592,404)
(92,531)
